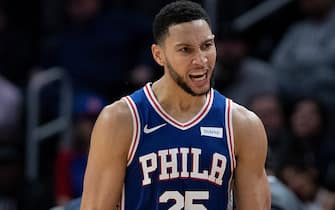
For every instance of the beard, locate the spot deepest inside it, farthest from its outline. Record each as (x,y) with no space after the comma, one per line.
(182,84)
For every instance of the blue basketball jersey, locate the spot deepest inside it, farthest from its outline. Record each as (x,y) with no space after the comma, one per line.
(173,165)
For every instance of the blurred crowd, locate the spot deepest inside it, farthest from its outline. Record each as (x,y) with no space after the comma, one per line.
(282,67)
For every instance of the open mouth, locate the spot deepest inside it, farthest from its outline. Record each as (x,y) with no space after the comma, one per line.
(198,77)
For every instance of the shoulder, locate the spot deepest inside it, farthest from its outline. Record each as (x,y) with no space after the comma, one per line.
(113,126)
(244,118)
(248,129)
(116,112)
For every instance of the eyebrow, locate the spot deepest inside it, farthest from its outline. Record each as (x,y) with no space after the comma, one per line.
(211,39)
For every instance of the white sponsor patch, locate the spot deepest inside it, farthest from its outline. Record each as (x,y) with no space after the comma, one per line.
(212,132)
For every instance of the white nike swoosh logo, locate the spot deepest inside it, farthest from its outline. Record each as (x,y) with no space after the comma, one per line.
(150,130)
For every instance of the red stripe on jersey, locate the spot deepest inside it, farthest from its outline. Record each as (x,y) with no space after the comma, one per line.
(170,119)
(135,139)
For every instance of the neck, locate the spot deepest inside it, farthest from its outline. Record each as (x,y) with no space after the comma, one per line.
(175,101)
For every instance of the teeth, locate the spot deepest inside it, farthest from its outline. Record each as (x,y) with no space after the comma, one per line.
(198,74)
(199,77)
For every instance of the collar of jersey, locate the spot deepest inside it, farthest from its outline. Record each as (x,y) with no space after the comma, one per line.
(161,112)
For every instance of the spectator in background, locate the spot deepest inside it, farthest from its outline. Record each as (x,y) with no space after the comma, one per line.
(10,109)
(239,76)
(102,50)
(309,135)
(301,177)
(282,197)
(305,161)
(10,144)
(270,110)
(312,146)
(304,60)
(71,162)
(263,33)
(327,199)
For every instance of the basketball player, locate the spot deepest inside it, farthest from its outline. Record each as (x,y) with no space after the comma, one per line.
(177,143)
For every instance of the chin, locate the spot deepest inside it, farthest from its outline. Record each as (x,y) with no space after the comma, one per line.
(202,91)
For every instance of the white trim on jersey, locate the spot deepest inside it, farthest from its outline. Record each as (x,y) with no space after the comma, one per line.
(123,195)
(182,126)
(230,133)
(136,128)
(230,139)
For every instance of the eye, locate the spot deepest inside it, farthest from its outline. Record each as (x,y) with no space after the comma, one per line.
(185,50)
(207,45)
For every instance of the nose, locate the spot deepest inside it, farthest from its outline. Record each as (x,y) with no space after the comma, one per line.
(200,58)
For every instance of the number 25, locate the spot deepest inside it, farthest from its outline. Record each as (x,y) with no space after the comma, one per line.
(186,202)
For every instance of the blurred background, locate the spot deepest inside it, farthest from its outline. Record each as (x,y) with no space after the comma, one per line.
(62,61)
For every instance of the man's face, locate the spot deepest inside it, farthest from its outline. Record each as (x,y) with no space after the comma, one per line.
(189,56)
(268,109)
(306,119)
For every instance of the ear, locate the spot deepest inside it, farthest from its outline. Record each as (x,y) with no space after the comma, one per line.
(157,53)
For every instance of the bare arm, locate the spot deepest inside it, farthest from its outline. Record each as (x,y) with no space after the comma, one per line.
(251,188)
(105,172)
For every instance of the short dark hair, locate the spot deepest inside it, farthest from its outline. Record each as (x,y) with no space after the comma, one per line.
(175,13)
